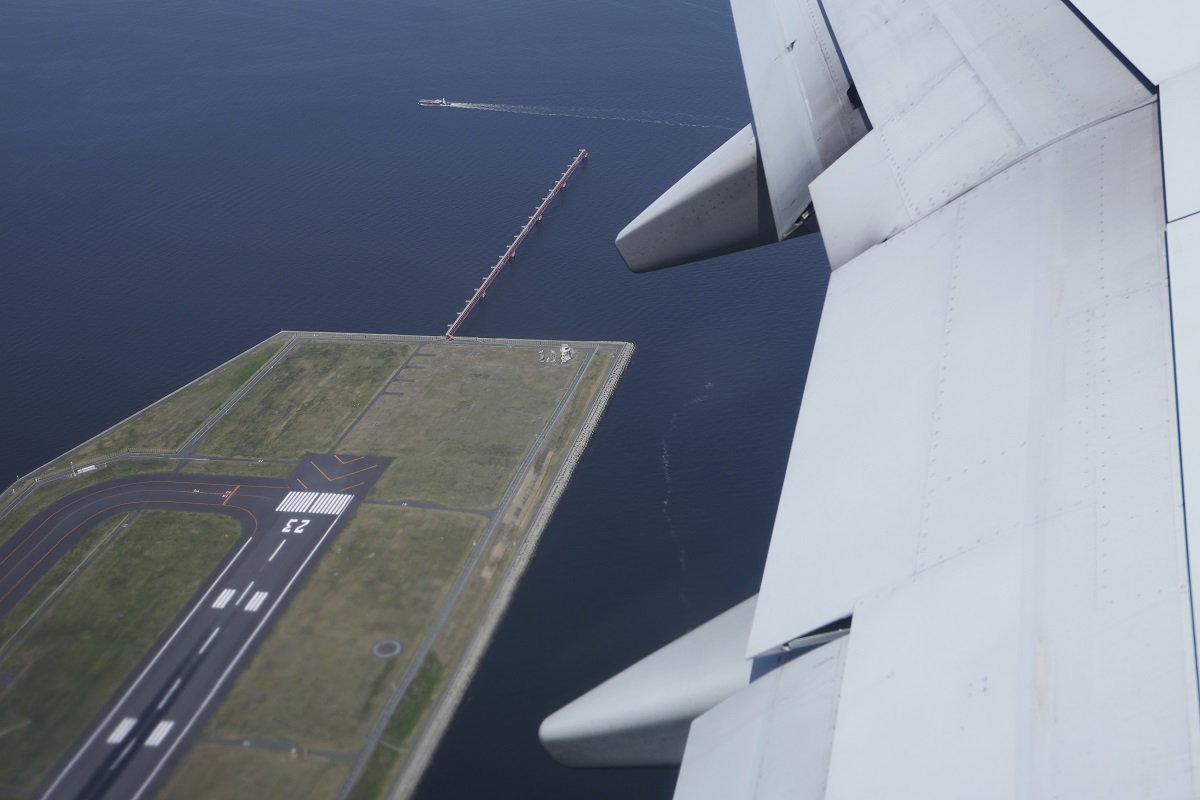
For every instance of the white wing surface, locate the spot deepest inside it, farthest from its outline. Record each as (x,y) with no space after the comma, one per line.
(1000,425)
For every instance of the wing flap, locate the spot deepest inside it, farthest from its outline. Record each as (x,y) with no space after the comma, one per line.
(1179,99)
(799,91)
(991,327)
(1157,36)
(772,739)
(957,91)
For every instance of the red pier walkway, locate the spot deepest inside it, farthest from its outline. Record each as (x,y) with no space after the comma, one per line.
(511,252)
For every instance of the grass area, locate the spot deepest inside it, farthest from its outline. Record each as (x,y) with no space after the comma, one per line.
(306,401)
(373,781)
(248,469)
(459,432)
(315,680)
(572,415)
(77,654)
(233,773)
(11,622)
(45,495)
(168,423)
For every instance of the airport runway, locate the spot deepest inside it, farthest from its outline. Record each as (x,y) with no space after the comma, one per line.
(127,751)
(38,545)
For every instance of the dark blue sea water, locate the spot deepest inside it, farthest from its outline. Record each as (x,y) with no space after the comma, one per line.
(179,180)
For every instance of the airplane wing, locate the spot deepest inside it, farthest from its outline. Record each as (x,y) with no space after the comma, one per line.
(979,582)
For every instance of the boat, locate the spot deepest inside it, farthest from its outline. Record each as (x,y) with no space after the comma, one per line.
(441,102)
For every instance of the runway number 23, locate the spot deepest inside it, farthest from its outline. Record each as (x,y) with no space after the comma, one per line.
(298,529)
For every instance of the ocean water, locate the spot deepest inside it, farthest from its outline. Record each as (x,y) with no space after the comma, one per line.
(180,180)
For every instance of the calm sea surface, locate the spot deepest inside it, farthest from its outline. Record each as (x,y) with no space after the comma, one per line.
(178,181)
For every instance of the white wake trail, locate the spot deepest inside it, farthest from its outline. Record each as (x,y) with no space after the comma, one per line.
(613,115)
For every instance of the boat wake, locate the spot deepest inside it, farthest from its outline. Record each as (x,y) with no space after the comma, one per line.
(615,115)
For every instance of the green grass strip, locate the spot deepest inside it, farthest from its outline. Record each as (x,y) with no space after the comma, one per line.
(391,747)
(75,657)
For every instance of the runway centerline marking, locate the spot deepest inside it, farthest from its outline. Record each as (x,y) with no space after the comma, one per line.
(79,753)
(243,594)
(167,696)
(277,549)
(232,663)
(208,641)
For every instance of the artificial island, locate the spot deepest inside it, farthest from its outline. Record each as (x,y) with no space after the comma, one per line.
(278,580)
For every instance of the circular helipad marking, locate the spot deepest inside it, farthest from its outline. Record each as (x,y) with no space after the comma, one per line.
(388,648)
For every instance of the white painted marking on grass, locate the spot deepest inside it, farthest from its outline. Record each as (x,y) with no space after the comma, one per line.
(243,594)
(159,733)
(121,731)
(277,549)
(256,601)
(223,598)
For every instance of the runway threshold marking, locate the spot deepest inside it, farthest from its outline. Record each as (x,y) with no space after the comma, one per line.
(121,731)
(330,503)
(159,733)
(297,502)
(223,598)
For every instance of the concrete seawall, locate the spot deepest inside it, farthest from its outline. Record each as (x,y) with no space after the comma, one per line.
(438,718)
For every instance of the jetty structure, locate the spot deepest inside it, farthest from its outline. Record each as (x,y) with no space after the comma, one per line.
(511,252)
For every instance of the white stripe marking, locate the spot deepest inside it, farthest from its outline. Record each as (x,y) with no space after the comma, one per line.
(167,696)
(228,669)
(296,501)
(277,549)
(208,641)
(256,601)
(223,598)
(122,729)
(78,753)
(159,733)
(243,594)
(331,503)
